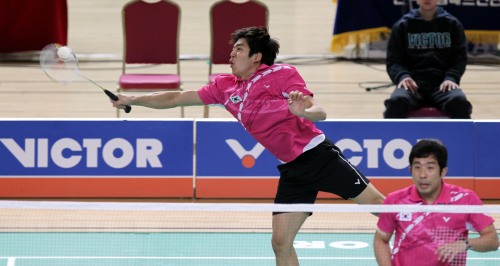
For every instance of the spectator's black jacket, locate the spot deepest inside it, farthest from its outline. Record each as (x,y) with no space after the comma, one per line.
(428,51)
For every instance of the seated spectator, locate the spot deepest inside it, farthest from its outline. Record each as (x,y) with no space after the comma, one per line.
(426,58)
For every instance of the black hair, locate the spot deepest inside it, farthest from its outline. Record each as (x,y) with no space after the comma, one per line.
(430,147)
(259,41)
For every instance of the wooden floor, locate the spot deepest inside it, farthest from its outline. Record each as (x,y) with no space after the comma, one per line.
(80,217)
(304,29)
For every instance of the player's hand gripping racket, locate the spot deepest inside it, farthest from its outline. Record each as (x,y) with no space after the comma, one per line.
(61,65)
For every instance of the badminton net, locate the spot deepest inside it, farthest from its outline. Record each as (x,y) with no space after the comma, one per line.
(46,233)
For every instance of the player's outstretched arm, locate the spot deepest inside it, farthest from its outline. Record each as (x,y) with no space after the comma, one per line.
(160,100)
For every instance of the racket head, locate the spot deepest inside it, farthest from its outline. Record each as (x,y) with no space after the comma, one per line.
(57,68)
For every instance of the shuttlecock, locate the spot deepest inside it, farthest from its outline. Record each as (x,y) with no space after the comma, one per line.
(64,52)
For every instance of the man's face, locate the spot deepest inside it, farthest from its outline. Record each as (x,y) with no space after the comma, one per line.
(427,176)
(427,4)
(241,64)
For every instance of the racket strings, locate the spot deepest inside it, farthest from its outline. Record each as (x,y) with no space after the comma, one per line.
(62,70)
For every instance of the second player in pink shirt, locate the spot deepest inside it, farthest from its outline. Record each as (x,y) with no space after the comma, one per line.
(431,238)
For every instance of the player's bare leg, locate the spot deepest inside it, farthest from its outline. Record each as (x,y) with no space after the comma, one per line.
(285,228)
(370,196)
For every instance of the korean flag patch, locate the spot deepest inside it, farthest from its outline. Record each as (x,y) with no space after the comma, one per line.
(235,99)
(404,216)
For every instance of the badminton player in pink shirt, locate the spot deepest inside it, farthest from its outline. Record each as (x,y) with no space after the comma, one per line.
(272,102)
(431,238)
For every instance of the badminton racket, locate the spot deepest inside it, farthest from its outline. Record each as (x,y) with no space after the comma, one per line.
(60,64)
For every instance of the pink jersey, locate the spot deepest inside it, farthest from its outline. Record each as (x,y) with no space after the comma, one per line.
(418,235)
(260,104)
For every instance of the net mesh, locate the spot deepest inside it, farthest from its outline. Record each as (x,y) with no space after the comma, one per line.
(106,233)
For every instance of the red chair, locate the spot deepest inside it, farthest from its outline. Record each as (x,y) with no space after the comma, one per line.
(225,17)
(427,112)
(151,37)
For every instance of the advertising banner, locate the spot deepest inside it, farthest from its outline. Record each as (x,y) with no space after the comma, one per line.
(56,153)
(231,163)
(167,159)
(381,148)
(486,159)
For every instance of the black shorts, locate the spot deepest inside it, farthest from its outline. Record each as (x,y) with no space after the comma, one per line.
(322,168)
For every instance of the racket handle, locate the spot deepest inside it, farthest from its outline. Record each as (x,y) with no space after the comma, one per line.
(128,108)
(113,97)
